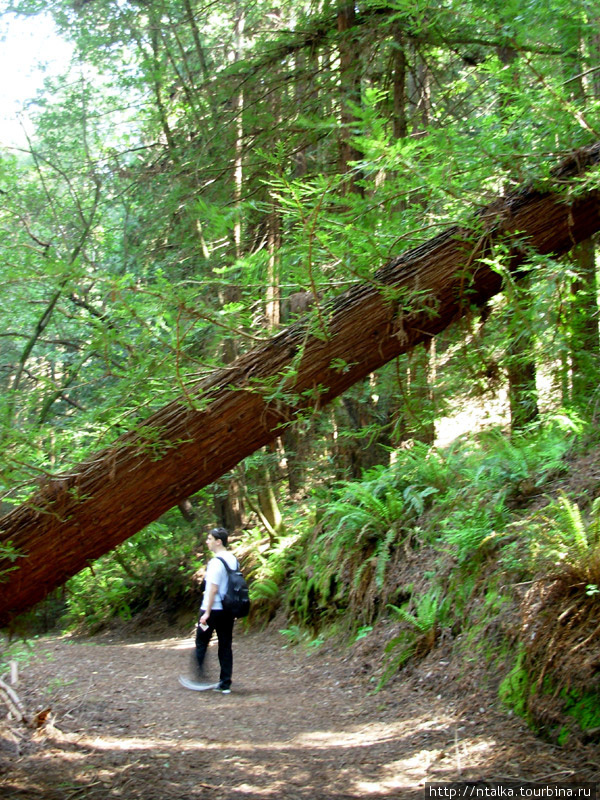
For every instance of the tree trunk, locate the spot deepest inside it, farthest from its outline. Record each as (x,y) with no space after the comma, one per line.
(585,340)
(521,368)
(420,422)
(189,443)
(349,87)
(296,442)
(400,99)
(364,443)
(584,334)
(228,501)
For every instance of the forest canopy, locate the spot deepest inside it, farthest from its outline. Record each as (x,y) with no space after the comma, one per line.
(203,176)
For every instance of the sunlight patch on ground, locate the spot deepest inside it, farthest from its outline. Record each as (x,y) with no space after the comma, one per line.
(363,736)
(407,772)
(354,736)
(393,774)
(163,644)
(367,735)
(148,743)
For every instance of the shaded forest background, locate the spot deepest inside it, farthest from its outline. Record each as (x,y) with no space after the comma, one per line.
(205,175)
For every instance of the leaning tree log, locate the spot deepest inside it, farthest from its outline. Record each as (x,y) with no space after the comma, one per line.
(189,443)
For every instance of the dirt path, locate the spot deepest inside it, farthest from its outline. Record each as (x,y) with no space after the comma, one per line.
(297,726)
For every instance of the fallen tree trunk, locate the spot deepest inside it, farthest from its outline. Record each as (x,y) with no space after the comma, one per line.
(189,443)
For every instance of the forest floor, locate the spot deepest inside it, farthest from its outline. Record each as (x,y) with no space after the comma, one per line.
(300,724)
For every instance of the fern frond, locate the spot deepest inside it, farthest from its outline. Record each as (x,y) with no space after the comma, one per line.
(594,524)
(428,610)
(574,529)
(382,556)
(405,616)
(265,589)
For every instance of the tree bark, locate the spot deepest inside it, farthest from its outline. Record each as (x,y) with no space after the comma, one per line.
(521,367)
(349,88)
(584,335)
(189,443)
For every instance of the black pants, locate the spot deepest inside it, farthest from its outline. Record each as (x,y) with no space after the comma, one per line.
(222,623)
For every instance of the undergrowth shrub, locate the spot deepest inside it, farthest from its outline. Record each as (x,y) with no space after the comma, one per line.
(460,499)
(422,620)
(154,567)
(567,546)
(20,650)
(268,565)
(558,686)
(494,472)
(467,503)
(422,467)
(361,527)
(526,460)
(468,530)
(515,687)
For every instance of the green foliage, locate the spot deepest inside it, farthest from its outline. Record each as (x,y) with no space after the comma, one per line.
(20,650)
(516,686)
(151,285)
(363,632)
(429,611)
(476,510)
(273,563)
(362,525)
(154,567)
(578,711)
(265,589)
(468,531)
(421,626)
(9,554)
(533,455)
(459,499)
(184,187)
(583,708)
(362,514)
(295,635)
(566,544)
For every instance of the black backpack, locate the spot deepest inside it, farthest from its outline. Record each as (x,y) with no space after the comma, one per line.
(236,599)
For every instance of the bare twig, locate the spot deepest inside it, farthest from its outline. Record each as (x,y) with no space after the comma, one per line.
(12,700)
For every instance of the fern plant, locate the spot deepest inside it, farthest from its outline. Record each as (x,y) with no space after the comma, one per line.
(363,512)
(361,528)
(569,544)
(366,517)
(528,457)
(265,589)
(424,467)
(270,568)
(469,529)
(418,635)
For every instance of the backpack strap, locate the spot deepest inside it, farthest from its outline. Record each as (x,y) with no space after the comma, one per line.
(226,565)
